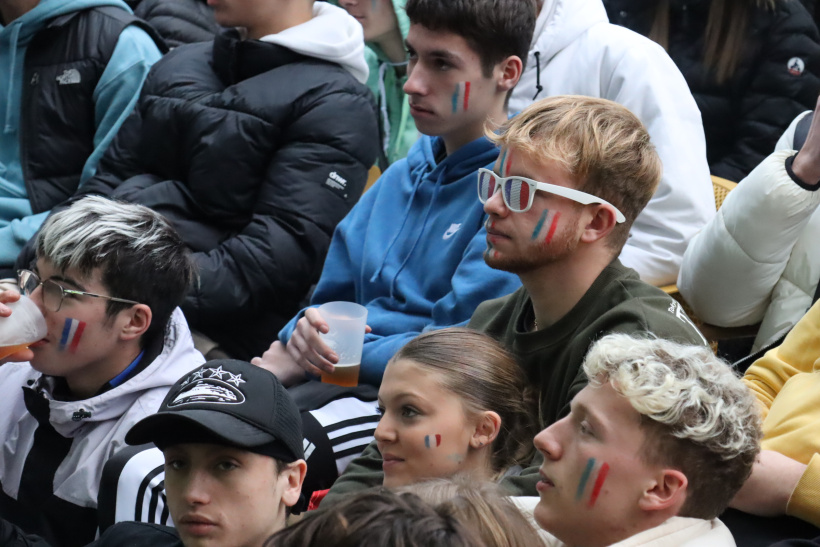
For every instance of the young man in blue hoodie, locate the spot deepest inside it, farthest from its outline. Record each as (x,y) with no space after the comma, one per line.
(73,70)
(411,250)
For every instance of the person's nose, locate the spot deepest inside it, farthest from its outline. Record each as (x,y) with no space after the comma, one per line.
(416,81)
(196,489)
(547,442)
(495,205)
(385,432)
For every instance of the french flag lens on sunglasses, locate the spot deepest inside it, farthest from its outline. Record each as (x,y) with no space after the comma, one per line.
(518,192)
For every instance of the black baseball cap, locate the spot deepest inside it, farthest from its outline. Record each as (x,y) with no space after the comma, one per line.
(228,402)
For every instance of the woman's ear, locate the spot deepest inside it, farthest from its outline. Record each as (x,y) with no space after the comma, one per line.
(486,430)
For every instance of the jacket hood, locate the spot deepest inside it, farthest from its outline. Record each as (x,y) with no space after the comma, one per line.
(561,22)
(332,35)
(404,28)
(19,33)
(178,356)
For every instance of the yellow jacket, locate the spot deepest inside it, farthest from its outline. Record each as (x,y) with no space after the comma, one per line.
(786,381)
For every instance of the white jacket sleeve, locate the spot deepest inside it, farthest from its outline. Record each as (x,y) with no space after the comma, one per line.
(731,267)
(647,82)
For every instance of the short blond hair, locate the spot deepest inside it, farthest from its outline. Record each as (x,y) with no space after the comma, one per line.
(602,145)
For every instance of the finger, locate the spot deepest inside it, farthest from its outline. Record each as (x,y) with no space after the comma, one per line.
(315,320)
(256,361)
(367,329)
(305,357)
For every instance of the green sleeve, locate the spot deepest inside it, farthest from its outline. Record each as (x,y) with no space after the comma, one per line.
(362,473)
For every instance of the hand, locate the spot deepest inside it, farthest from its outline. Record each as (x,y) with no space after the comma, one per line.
(277,360)
(807,163)
(6,297)
(767,491)
(306,346)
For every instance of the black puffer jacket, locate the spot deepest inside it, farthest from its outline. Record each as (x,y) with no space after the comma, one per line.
(255,153)
(178,21)
(777,78)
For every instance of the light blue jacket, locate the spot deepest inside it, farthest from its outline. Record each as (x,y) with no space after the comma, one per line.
(412,251)
(114,96)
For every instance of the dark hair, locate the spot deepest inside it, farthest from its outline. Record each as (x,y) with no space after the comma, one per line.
(495,29)
(485,376)
(376,518)
(141,257)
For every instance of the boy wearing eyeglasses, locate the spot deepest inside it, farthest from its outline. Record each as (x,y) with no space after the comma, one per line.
(108,278)
(411,249)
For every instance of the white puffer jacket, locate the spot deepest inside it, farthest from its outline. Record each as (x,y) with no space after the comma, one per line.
(759,258)
(577,52)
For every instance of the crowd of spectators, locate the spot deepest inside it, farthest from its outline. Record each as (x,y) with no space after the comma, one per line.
(511,188)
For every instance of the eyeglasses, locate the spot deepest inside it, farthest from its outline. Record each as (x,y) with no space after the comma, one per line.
(53,292)
(518,192)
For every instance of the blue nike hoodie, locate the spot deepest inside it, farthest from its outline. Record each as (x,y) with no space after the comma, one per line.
(412,251)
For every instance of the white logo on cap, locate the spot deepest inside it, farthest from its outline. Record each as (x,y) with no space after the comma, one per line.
(796,66)
(205,385)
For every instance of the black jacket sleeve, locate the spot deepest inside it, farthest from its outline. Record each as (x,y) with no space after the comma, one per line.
(13,536)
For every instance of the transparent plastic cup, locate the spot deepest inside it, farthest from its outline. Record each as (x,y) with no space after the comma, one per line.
(346,322)
(23,327)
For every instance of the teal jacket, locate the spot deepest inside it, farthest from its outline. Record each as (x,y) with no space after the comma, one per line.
(114,96)
(397,126)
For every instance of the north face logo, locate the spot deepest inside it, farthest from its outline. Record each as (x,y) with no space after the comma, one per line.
(796,66)
(69,76)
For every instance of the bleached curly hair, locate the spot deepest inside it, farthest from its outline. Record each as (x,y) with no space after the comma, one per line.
(699,416)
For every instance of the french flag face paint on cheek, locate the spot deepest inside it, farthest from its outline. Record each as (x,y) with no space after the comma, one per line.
(72,333)
(461,97)
(432,440)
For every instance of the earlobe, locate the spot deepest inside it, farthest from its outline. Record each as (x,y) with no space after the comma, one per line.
(139,319)
(295,475)
(489,423)
(668,492)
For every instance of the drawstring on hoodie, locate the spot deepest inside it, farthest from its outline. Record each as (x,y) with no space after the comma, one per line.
(383,102)
(538,87)
(15,35)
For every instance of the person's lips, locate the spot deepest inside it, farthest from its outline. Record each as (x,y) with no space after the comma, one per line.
(417,110)
(197,525)
(389,461)
(545,483)
(38,343)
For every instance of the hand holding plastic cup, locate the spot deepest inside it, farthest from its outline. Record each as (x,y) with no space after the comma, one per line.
(23,327)
(346,322)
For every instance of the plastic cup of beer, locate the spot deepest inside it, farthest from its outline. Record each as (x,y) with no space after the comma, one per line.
(23,327)
(346,322)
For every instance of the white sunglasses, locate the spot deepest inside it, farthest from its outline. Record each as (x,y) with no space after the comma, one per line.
(518,192)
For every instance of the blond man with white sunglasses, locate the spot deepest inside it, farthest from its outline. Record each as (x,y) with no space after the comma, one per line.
(573,174)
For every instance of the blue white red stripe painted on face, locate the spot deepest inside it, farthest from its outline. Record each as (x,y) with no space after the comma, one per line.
(461,97)
(72,332)
(428,442)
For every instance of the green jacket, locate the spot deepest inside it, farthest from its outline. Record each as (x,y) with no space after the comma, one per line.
(617,302)
(397,127)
